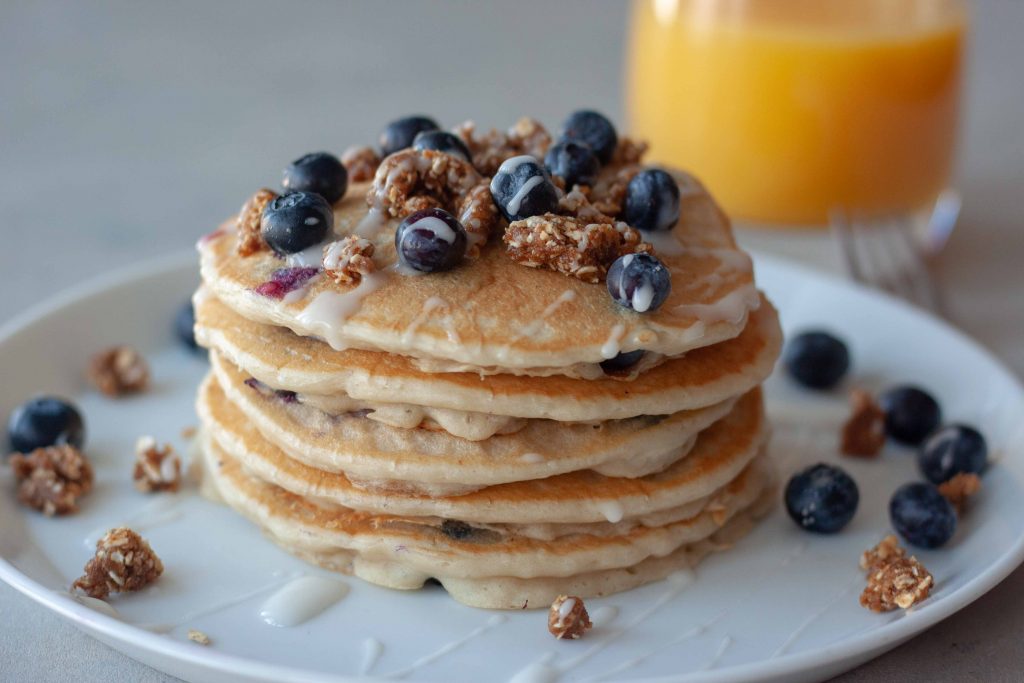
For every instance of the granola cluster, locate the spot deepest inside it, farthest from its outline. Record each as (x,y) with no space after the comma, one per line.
(570,245)
(361,162)
(157,468)
(894,580)
(568,618)
(52,479)
(478,216)
(118,371)
(958,489)
(347,260)
(629,152)
(492,148)
(247,224)
(863,434)
(609,194)
(123,562)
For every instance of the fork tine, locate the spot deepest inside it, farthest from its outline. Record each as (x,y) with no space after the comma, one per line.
(917,269)
(839,223)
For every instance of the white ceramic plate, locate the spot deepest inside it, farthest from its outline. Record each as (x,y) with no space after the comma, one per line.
(782,605)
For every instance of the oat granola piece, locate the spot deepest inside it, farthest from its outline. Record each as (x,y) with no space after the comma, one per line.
(576,203)
(197,636)
(901,583)
(628,152)
(571,245)
(609,194)
(247,224)
(957,490)
(361,162)
(404,178)
(119,370)
(123,562)
(157,468)
(568,618)
(489,150)
(479,215)
(52,479)
(863,434)
(887,550)
(347,260)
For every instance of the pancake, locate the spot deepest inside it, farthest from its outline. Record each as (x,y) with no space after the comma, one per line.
(283,360)
(382,457)
(720,453)
(491,312)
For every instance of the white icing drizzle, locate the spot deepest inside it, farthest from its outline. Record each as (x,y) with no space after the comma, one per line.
(806,623)
(327,313)
(613,344)
(302,599)
(731,308)
(370,225)
(723,645)
(163,510)
(604,615)
(437,227)
(493,622)
(664,242)
(612,510)
(372,650)
(310,257)
(520,195)
(532,458)
(538,672)
(429,306)
(213,608)
(535,326)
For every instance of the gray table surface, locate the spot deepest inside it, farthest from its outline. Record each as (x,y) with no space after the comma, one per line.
(130,128)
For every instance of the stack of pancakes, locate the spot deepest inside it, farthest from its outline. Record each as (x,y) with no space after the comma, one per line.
(459,425)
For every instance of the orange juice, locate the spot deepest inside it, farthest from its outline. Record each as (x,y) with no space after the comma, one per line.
(788,109)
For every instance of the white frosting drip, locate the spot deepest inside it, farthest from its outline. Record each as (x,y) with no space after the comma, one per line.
(429,306)
(612,510)
(310,257)
(611,347)
(301,600)
(520,195)
(370,225)
(535,326)
(435,226)
(731,308)
(372,650)
(327,313)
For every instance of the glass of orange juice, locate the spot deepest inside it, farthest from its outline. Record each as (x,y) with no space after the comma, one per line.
(789,110)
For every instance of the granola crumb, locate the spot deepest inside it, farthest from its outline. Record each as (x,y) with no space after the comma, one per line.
(863,434)
(52,479)
(568,618)
(489,150)
(887,550)
(347,260)
(629,152)
(361,163)
(157,468)
(958,489)
(197,636)
(412,180)
(479,215)
(250,240)
(902,582)
(609,194)
(571,245)
(123,562)
(118,371)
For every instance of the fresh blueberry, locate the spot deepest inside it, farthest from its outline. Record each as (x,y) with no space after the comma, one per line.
(816,359)
(652,200)
(522,188)
(822,498)
(622,361)
(639,281)
(453,528)
(45,421)
(319,172)
(296,221)
(922,515)
(400,134)
(574,162)
(593,130)
(442,141)
(184,326)
(950,451)
(430,240)
(911,414)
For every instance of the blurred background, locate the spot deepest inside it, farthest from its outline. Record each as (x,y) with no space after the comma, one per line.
(128,129)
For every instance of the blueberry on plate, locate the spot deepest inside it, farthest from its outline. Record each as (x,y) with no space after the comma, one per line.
(952,450)
(817,359)
(296,221)
(522,188)
(822,498)
(45,421)
(318,172)
(622,361)
(593,130)
(922,515)
(911,414)
(400,134)
(573,162)
(184,326)
(652,201)
(442,141)
(639,282)
(430,240)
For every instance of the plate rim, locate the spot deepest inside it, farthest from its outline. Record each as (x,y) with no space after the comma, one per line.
(853,649)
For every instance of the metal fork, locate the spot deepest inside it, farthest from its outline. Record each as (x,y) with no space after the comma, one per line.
(891,253)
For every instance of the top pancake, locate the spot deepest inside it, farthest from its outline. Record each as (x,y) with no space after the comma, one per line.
(491,312)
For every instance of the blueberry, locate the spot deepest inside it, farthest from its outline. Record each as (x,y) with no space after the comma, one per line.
(593,130)
(430,240)
(296,221)
(184,326)
(652,200)
(574,162)
(950,451)
(639,281)
(522,188)
(922,515)
(45,421)
(816,359)
(822,498)
(622,361)
(442,141)
(911,414)
(319,172)
(455,529)
(400,134)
